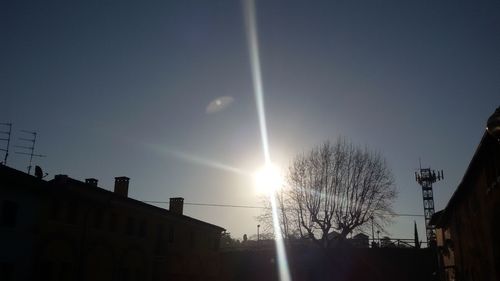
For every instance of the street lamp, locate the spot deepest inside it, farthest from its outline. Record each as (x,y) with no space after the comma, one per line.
(373,233)
(258,234)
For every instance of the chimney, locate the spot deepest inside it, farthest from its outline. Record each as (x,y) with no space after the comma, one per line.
(91,181)
(121,186)
(176,205)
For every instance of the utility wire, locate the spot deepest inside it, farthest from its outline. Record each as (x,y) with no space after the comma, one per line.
(258,207)
(209,205)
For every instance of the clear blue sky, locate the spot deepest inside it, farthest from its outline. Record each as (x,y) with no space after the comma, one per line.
(121,88)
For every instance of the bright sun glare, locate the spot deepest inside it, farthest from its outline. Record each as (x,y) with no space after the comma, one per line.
(268,179)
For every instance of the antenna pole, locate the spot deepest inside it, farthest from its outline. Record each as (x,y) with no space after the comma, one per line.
(425,178)
(32,151)
(7,140)
(29,150)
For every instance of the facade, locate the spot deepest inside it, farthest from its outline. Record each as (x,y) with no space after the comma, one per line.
(360,240)
(18,216)
(468,229)
(65,229)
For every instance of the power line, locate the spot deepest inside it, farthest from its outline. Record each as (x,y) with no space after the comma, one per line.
(258,207)
(210,205)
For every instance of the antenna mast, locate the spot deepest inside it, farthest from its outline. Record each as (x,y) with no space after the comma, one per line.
(425,178)
(6,138)
(30,149)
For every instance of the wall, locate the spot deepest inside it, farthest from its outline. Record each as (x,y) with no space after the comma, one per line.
(72,231)
(469,229)
(342,264)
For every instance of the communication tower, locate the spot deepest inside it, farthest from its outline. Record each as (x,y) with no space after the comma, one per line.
(425,178)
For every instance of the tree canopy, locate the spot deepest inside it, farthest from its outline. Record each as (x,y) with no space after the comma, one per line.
(332,190)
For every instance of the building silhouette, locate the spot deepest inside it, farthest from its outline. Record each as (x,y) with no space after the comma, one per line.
(360,240)
(65,229)
(309,263)
(468,229)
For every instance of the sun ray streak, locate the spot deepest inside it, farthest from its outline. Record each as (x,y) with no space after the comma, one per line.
(251,28)
(200,160)
(280,245)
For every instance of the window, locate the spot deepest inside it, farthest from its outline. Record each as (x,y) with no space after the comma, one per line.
(98,218)
(160,245)
(491,170)
(130,226)
(216,242)
(159,231)
(9,213)
(473,203)
(171,233)
(112,222)
(72,213)
(192,239)
(55,209)
(143,228)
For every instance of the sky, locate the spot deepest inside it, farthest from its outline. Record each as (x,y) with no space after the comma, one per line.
(161,92)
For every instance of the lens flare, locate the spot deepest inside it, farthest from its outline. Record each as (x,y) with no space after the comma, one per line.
(198,160)
(283,269)
(253,42)
(219,104)
(251,28)
(268,179)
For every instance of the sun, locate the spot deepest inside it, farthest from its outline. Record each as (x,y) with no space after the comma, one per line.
(268,179)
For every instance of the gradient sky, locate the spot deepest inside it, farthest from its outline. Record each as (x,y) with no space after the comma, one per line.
(121,88)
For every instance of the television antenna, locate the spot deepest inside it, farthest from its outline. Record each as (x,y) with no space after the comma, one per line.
(5,137)
(30,148)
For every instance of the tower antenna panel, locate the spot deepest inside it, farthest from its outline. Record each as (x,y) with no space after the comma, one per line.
(425,177)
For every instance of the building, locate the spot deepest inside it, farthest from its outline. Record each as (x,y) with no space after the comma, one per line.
(65,229)
(468,229)
(360,240)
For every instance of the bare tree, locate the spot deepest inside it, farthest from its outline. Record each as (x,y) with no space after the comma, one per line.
(335,187)
(288,222)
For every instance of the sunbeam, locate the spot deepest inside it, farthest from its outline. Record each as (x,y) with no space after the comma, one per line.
(253,43)
(199,160)
(253,47)
(280,245)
